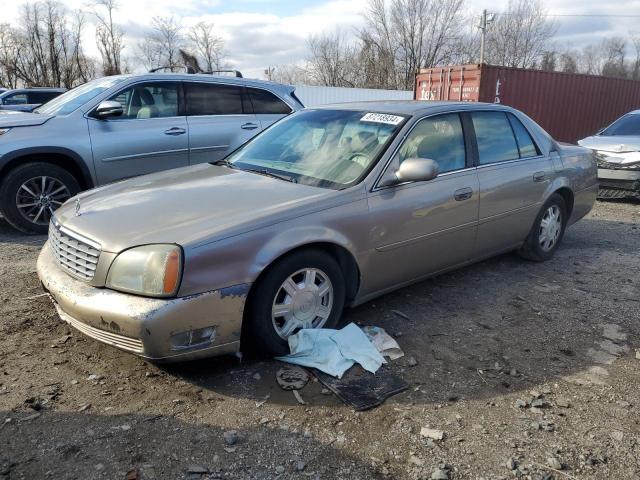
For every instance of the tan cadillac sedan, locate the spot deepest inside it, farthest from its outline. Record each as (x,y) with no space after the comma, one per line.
(328,208)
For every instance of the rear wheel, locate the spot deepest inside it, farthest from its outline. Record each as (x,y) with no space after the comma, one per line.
(30,193)
(547,231)
(303,290)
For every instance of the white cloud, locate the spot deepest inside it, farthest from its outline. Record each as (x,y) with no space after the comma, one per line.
(258,34)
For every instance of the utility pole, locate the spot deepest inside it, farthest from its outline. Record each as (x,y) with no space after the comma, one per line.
(269,72)
(483,34)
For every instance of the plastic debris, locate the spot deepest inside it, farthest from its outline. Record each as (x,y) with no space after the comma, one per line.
(333,351)
(385,344)
(292,378)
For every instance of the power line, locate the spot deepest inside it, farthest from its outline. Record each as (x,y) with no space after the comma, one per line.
(573,15)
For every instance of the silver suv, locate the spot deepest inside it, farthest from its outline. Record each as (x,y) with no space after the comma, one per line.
(122,126)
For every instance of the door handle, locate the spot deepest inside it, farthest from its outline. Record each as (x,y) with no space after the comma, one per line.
(539,176)
(249,126)
(175,131)
(463,194)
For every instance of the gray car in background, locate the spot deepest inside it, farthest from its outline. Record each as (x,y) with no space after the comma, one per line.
(27,99)
(617,150)
(329,207)
(123,126)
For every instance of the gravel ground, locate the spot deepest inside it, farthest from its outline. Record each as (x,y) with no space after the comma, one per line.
(529,370)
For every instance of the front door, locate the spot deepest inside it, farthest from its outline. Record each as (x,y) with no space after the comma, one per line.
(151,135)
(421,228)
(514,176)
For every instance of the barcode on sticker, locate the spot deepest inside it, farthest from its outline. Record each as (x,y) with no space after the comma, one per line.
(382,118)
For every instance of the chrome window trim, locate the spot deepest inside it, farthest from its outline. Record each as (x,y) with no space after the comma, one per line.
(513,160)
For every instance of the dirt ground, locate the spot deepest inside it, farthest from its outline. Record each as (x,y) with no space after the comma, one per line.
(529,369)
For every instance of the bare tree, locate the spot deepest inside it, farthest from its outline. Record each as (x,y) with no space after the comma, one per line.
(292,75)
(331,60)
(613,50)
(49,48)
(401,36)
(161,47)
(9,51)
(520,36)
(635,65)
(109,37)
(208,47)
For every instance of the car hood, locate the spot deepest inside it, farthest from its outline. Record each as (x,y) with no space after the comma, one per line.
(187,206)
(615,144)
(12,118)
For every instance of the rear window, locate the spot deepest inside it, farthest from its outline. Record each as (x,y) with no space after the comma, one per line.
(496,142)
(267,103)
(525,143)
(215,99)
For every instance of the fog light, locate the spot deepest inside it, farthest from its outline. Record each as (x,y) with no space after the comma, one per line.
(193,338)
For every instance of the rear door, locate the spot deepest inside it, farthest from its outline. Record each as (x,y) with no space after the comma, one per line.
(514,176)
(220,119)
(267,107)
(150,136)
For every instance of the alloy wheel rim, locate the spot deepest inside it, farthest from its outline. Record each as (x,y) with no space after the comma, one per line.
(304,300)
(39,197)
(550,228)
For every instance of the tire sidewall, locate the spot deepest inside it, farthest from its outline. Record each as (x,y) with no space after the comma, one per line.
(261,332)
(16,177)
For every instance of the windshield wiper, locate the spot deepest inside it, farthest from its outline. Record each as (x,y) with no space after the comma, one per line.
(264,171)
(224,163)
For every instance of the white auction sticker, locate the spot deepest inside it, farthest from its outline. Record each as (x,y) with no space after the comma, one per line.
(382,118)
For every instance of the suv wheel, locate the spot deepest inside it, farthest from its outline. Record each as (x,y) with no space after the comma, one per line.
(31,192)
(303,290)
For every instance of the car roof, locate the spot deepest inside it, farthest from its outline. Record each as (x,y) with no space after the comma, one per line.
(411,107)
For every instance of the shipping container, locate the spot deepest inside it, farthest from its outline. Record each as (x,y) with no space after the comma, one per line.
(312,96)
(569,106)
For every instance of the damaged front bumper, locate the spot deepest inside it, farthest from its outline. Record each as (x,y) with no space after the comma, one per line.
(617,180)
(177,329)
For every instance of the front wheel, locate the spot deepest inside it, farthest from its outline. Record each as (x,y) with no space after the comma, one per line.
(303,290)
(30,193)
(547,231)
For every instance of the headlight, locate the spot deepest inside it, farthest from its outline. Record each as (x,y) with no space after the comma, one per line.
(151,270)
(4,130)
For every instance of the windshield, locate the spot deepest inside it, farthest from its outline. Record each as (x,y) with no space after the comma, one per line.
(71,100)
(627,125)
(324,148)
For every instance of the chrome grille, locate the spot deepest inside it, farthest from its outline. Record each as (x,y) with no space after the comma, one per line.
(75,254)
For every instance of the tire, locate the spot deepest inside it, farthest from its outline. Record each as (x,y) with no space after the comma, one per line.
(270,291)
(20,200)
(534,248)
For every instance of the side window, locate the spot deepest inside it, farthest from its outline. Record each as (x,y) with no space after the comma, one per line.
(525,142)
(40,97)
(215,99)
(439,138)
(15,99)
(267,103)
(496,142)
(148,100)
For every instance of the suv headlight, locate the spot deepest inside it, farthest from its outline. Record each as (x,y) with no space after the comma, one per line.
(3,131)
(151,270)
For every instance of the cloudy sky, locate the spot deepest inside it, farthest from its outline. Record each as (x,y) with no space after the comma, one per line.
(262,33)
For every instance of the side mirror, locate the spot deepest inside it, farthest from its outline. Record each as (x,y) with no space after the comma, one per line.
(417,170)
(108,108)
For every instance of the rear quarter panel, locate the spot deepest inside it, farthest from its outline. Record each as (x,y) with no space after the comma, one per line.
(579,172)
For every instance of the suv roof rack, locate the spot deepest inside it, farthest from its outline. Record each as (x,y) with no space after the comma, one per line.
(187,69)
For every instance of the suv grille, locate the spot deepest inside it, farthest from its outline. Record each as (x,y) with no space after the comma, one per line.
(75,254)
